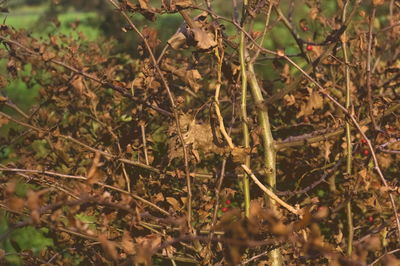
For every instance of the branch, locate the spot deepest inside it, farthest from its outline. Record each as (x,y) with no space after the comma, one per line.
(321,135)
(271,194)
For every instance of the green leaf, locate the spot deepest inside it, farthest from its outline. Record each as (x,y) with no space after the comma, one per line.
(30,238)
(87,219)
(41,148)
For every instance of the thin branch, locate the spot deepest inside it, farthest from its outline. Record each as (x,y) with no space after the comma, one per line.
(77,177)
(271,194)
(369,89)
(381,257)
(321,135)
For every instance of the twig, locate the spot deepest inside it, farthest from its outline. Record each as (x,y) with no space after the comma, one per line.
(271,194)
(369,89)
(321,135)
(143,131)
(313,185)
(387,253)
(18,170)
(265,253)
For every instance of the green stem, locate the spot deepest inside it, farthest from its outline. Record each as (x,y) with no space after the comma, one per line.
(269,149)
(245,128)
(349,212)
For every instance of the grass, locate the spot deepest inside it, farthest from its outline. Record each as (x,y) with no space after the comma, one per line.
(27,17)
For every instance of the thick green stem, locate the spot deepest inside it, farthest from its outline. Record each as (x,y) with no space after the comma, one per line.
(269,149)
(245,128)
(349,212)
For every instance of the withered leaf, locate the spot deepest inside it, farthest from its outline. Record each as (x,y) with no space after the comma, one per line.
(183,3)
(127,243)
(174,203)
(197,36)
(48,55)
(203,39)
(150,34)
(108,246)
(315,101)
(199,136)
(177,41)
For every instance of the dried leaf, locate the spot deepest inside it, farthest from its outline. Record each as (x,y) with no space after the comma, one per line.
(198,36)
(174,203)
(191,77)
(145,246)
(378,2)
(315,101)
(177,41)
(108,246)
(289,99)
(77,83)
(127,243)
(183,3)
(3,121)
(239,154)
(203,39)
(48,55)
(150,34)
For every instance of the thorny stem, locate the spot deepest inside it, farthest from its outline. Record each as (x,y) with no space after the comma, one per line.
(268,146)
(245,127)
(349,213)
(174,109)
(369,89)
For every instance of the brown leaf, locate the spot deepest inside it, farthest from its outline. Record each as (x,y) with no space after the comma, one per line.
(191,77)
(197,36)
(239,154)
(378,2)
(127,243)
(92,175)
(174,203)
(203,39)
(143,4)
(77,83)
(48,55)
(145,246)
(183,3)
(289,99)
(108,246)
(16,203)
(177,41)
(33,200)
(315,101)
(150,34)
(3,121)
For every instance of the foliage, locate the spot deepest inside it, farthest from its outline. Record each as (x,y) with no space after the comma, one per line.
(157,154)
